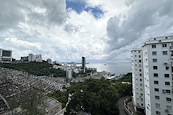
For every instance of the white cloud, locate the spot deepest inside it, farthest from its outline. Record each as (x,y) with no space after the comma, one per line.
(41,26)
(139,23)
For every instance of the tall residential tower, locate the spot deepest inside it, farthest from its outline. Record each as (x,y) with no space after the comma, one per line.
(83,64)
(157,70)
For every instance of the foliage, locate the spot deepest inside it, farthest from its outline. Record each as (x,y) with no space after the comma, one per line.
(98,97)
(31,102)
(126,78)
(60,96)
(36,68)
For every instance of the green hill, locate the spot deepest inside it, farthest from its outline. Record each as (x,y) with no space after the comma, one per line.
(36,68)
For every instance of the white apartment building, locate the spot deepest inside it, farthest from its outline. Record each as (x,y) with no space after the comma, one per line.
(138,80)
(158,70)
(158,75)
(37,58)
(69,73)
(5,55)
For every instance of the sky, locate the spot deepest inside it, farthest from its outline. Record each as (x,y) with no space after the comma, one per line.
(66,30)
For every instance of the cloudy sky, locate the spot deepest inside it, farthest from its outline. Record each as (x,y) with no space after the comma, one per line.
(66,30)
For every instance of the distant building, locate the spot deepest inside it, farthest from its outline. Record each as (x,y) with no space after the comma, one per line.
(69,73)
(37,58)
(24,58)
(49,60)
(5,55)
(83,64)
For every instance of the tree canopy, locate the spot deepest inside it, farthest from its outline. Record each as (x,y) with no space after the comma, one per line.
(98,97)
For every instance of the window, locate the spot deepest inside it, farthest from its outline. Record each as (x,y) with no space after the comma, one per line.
(140,74)
(164,45)
(154,53)
(154,46)
(140,70)
(156,89)
(166,75)
(157,97)
(168,91)
(158,113)
(139,56)
(169,107)
(165,53)
(155,74)
(140,79)
(157,105)
(167,67)
(154,60)
(168,99)
(139,60)
(167,83)
(156,82)
(139,51)
(154,67)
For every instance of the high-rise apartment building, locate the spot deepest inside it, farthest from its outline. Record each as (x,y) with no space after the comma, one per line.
(138,80)
(157,58)
(5,55)
(83,64)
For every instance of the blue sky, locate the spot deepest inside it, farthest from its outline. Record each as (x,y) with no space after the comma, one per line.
(80,6)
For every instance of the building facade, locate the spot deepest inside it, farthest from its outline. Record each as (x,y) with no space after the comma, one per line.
(83,64)
(138,80)
(69,73)
(5,55)
(37,58)
(157,58)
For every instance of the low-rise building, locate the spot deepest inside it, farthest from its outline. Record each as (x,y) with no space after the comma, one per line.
(5,55)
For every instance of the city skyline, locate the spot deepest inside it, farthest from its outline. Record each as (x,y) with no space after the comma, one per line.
(66,30)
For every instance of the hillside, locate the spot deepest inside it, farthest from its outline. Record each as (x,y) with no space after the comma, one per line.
(39,69)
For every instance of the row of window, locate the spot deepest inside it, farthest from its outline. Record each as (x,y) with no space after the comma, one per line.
(138,56)
(163,52)
(156,75)
(167,98)
(167,91)
(168,107)
(166,82)
(138,51)
(163,45)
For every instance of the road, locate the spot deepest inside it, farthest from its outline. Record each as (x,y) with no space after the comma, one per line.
(121,105)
